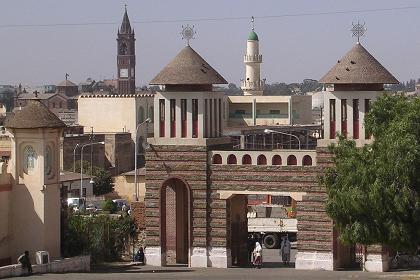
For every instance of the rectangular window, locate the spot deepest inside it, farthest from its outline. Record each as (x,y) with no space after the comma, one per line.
(332,118)
(367,109)
(161,117)
(183,118)
(172,103)
(274,112)
(195,118)
(344,117)
(355,118)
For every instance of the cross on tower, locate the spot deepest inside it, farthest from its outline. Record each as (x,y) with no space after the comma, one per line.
(252,21)
(358,30)
(188,33)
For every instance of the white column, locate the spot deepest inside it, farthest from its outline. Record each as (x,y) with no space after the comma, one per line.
(200,118)
(215,117)
(327,128)
(337,115)
(350,118)
(167,118)
(208,119)
(362,119)
(156,119)
(178,119)
(189,118)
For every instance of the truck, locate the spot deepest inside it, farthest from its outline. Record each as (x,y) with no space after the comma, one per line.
(269,222)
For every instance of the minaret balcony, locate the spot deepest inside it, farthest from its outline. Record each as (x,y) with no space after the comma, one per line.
(253,85)
(255,58)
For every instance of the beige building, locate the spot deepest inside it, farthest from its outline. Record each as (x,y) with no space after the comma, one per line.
(30,185)
(116,113)
(124,185)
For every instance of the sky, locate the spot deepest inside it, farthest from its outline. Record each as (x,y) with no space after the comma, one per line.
(293,47)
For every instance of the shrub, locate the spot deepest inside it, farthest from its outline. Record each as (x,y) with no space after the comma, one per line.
(109,206)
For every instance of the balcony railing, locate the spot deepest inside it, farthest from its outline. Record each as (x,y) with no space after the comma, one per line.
(272,116)
(240,116)
(253,58)
(257,85)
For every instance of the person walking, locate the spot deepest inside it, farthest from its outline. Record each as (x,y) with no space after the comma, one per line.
(257,254)
(25,262)
(285,250)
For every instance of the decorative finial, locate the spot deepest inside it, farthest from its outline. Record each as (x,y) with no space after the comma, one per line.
(188,33)
(125,6)
(67,75)
(358,30)
(252,21)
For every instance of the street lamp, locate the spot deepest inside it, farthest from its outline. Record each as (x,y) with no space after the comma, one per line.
(81,164)
(135,194)
(273,131)
(74,157)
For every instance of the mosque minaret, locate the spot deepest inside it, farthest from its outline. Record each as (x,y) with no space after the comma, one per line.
(252,84)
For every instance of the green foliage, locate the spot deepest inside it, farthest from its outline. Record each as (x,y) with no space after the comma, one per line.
(110,206)
(103,237)
(374,191)
(103,181)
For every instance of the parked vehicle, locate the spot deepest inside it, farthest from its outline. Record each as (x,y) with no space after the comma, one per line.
(120,204)
(269,222)
(78,203)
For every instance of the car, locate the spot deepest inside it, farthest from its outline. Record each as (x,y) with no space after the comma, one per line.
(77,203)
(92,208)
(120,203)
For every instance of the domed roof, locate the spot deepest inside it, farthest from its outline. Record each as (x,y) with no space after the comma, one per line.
(253,36)
(358,66)
(188,68)
(33,115)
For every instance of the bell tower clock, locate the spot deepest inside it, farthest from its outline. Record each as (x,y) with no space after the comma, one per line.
(126,57)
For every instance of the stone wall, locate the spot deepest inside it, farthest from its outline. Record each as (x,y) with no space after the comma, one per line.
(75,264)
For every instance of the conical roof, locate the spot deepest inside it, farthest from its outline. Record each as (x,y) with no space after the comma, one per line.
(66,83)
(358,66)
(33,115)
(188,68)
(125,25)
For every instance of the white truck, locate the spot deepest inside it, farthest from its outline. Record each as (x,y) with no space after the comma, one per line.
(269,222)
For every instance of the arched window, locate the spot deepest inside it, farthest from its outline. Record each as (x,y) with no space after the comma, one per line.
(231,159)
(29,158)
(48,160)
(151,115)
(217,159)
(246,159)
(291,160)
(276,160)
(141,115)
(307,161)
(261,160)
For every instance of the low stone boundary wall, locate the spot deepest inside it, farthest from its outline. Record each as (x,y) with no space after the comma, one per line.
(75,264)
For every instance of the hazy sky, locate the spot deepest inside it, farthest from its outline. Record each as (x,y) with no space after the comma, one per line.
(293,48)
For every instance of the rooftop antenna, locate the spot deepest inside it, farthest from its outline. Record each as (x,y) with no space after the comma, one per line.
(253,24)
(358,30)
(188,33)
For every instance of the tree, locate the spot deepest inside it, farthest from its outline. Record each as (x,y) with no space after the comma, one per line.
(103,181)
(374,191)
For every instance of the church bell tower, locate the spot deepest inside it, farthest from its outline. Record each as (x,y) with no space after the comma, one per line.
(126,57)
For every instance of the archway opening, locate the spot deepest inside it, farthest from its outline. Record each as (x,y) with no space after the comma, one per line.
(261,160)
(175,221)
(291,160)
(246,159)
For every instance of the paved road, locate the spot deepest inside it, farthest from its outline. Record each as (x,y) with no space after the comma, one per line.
(146,272)
(273,269)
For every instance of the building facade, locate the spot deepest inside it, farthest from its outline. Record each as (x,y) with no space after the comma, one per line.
(30,190)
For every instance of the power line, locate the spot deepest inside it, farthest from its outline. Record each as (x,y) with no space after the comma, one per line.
(214,19)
